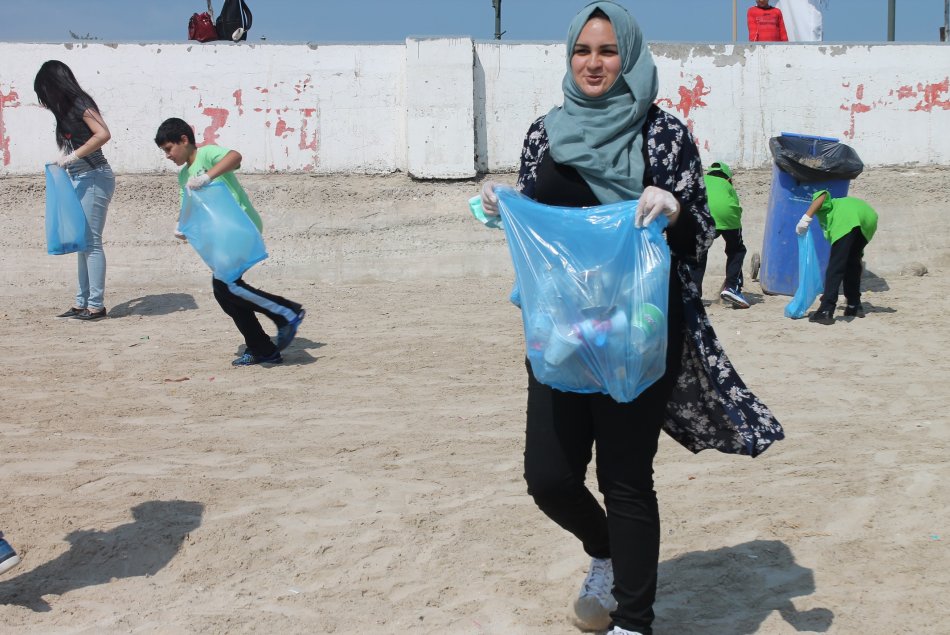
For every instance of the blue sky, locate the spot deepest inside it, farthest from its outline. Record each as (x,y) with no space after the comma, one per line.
(394,20)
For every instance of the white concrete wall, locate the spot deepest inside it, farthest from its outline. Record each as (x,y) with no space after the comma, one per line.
(297,108)
(445,108)
(890,102)
(440,108)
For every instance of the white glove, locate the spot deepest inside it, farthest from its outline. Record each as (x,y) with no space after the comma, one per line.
(198,182)
(653,202)
(63,161)
(489,198)
(802,227)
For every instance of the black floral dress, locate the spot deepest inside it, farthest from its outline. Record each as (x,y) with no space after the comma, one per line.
(710,406)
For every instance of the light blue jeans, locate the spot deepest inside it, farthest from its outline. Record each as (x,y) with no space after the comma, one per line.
(94,189)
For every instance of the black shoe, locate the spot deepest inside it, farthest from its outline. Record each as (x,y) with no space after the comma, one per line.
(823,316)
(72,312)
(89,316)
(854,310)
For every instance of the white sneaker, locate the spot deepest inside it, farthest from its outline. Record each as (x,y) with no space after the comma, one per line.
(616,630)
(596,600)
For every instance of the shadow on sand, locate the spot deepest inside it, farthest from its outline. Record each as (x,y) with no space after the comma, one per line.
(140,548)
(161,304)
(734,590)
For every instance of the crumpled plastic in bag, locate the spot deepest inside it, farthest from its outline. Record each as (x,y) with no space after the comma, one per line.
(219,230)
(809,278)
(593,291)
(66,224)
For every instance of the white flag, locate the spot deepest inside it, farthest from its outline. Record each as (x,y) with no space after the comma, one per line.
(802,19)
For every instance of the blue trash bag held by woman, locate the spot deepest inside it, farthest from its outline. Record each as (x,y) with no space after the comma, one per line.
(66,224)
(593,291)
(809,278)
(220,231)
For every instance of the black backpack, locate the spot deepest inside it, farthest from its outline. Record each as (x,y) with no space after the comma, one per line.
(234,15)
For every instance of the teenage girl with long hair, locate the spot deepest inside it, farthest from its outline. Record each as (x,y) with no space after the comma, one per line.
(80,134)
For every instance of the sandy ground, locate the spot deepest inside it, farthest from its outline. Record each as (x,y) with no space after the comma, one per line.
(372,483)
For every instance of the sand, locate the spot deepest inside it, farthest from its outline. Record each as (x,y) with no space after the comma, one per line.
(373,482)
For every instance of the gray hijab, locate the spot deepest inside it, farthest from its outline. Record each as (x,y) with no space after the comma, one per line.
(601,137)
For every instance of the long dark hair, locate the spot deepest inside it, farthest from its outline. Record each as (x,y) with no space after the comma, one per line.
(57,90)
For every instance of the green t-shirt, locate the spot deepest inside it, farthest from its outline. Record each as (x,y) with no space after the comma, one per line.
(723,203)
(838,216)
(206,157)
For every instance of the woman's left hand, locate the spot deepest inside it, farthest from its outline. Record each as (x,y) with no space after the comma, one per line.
(655,201)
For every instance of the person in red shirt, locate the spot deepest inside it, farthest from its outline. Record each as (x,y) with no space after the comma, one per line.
(766,23)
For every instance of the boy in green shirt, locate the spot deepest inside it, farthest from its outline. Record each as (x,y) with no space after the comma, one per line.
(238,299)
(726,211)
(849,224)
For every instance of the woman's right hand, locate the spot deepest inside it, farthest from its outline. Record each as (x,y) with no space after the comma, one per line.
(653,202)
(489,198)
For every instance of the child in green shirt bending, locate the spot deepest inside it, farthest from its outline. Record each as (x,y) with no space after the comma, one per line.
(241,301)
(727,212)
(849,224)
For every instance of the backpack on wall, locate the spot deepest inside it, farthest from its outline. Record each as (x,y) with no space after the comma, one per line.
(201,28)
(234,15)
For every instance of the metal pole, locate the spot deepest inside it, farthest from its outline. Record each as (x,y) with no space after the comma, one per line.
(735,21)
(497,5)
(891,10)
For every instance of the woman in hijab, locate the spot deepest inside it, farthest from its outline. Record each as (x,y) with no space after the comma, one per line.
(608,142)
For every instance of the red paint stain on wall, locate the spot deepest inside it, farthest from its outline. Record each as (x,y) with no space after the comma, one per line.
(906,91)
(307,142)
(219,117)
(691,98)
(928,96)
(10,100)
(282,128)
(855,108)
(238,101)
(278,109)
(302,86)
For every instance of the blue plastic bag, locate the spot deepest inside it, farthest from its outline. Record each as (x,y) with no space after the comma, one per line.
(809,278)
(593,291)
(219,230)
(66,224)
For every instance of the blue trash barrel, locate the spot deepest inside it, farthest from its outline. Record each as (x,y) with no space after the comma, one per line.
(803,165)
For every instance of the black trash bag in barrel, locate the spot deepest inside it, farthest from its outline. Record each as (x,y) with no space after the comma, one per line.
(810,159)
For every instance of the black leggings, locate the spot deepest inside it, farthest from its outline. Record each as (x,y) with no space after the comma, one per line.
(562,429)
